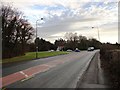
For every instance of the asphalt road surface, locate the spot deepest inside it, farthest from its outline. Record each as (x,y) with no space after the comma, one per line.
(54,72)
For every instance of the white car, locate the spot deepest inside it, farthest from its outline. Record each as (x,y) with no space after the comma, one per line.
(50,50)
(90,49)
(69,50)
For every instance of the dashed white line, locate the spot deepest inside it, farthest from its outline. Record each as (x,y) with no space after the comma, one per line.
(24,74)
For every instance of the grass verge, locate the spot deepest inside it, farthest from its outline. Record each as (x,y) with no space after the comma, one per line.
(32,55)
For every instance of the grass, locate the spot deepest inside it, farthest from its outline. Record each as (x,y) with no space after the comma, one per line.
(32,55)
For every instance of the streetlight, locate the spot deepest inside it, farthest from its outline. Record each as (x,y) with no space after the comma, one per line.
(98,32)
(36,38)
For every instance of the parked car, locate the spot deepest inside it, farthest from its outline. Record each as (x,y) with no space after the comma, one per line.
(69,50)
(51,50)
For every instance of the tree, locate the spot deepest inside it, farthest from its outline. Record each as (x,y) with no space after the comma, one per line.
(60,42)
(95,43)
(44,45)
(78,41)
(83,42)
(16,32)
(72,40)
(71,36)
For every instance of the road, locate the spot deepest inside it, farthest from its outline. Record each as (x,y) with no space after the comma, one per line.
(54,72)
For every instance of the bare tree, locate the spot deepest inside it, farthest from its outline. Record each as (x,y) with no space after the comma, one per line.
(71,36)
(16,31)
(79,41)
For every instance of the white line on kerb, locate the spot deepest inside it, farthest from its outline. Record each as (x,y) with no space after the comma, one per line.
(24,74)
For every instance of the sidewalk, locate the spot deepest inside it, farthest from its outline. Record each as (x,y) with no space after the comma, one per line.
(94,77)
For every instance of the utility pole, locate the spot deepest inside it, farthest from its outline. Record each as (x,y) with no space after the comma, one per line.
(36,38)
(97,32)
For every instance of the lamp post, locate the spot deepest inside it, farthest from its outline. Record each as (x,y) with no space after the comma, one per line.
(98,32)
(36,38)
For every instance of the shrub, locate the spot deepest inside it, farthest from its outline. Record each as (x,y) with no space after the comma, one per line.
(110,61)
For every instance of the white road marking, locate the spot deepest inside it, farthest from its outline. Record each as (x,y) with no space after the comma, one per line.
(27,78)
(24,74)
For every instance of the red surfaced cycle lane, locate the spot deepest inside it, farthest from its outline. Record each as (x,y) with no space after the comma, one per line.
(12,78)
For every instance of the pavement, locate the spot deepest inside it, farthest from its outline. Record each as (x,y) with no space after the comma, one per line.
(64,71)
(94,77)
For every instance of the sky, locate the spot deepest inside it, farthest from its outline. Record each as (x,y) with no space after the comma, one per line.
(76,16)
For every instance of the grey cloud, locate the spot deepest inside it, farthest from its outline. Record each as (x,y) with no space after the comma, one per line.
(109,27)
(61,26)
(63,22)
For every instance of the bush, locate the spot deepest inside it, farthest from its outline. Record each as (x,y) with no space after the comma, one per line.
(110,61)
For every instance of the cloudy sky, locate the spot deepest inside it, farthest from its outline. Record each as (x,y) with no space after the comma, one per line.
(61,16)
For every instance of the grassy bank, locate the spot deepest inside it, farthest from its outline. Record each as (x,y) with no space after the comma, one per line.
(32,55)
(110,61)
